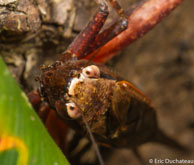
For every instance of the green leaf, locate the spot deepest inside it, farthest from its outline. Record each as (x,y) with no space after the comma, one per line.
(23,138)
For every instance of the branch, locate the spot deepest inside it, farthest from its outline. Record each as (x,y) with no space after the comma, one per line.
(141,20)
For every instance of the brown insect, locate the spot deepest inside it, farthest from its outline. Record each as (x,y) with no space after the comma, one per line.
(85,93)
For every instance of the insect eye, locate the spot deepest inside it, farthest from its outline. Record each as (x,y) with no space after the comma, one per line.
(91,71)
(73,111)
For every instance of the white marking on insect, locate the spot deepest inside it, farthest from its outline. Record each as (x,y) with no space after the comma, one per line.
(73,111)
(73,83)
(91,71)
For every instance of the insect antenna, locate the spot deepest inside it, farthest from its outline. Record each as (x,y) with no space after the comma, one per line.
(99,156)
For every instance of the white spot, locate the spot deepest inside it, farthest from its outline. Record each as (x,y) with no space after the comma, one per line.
(73,111)
(91,71)
(74,82)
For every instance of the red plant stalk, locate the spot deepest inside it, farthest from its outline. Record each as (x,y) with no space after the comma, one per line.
(141,20)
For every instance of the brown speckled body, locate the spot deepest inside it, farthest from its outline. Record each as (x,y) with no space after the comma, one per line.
(116,112)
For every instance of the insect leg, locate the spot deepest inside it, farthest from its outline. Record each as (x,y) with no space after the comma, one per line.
(56,128)
(118,8)
(111,32)
(80,44)
(105,36)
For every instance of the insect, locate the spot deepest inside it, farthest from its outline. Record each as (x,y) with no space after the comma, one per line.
(83,92)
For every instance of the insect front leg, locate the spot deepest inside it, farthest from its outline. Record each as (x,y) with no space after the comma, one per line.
(90,39)
(87,36)
(55,126)
(109,33)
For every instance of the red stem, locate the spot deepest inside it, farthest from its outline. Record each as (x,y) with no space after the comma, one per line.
(141,20)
